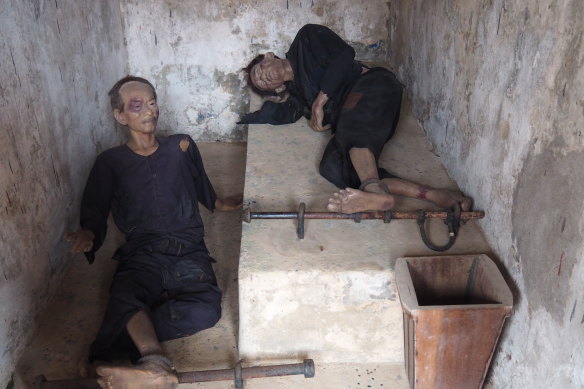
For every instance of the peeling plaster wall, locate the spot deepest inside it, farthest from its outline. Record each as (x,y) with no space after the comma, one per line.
(59,58)
(499,88)
(193,50)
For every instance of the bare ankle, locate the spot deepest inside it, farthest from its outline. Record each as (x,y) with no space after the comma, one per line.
(374,185)
(159,360)
(423,192)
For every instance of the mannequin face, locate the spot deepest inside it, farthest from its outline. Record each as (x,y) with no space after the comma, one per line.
(269,74)
(140,111)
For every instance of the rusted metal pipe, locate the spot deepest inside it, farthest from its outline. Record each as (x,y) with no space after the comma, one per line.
(449,218)
(248,215)
(306,368)
(238,375)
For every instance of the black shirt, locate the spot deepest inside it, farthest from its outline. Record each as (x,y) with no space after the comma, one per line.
(151,198)
(321,61)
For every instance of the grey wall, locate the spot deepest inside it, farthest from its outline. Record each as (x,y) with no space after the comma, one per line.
(499,87)
(194,50)
(58,59)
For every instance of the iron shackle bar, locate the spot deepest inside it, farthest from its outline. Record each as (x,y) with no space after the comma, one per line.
(449,218)
(238,375)
(248,215)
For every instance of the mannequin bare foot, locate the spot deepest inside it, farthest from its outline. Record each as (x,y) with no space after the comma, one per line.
(353,200)
(146,375)
(449,199)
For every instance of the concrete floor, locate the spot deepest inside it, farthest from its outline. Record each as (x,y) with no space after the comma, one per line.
(70,322)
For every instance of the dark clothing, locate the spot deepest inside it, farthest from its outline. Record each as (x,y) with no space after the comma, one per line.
(286,112)
(165,268)
(150,197)
(321,61)
(178,290)
(368,119)
(363,109)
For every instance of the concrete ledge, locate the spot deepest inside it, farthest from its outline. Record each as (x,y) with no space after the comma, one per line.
(330,296)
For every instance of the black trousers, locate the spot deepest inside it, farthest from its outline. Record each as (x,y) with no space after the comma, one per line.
(368,119)
(175,286)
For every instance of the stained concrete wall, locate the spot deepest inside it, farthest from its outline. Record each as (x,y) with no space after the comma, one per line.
(194,50)
(499,88)
(59,58)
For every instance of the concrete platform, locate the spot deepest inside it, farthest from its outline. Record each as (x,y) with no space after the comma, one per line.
(331,296)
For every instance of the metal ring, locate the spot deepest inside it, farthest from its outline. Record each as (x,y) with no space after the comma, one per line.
(246,215)
(430,245)
(300,221)
(309,368)
(238,375)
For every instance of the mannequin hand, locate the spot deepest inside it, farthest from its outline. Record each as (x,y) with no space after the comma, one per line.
(229,203)
(81,241)
(317,114)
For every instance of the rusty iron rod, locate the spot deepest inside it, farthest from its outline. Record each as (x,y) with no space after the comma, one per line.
(306,368)
(376,215)
(452,220)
